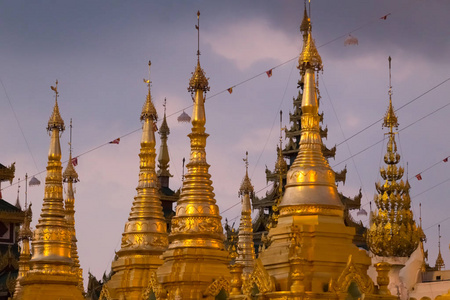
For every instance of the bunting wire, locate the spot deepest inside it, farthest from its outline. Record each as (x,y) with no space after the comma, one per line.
(253,77)
(409,125)
(343,134)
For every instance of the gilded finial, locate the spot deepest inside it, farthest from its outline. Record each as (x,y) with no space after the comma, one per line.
(198,34)
(393,231)
(149,110)
(163,156)
(198,80)
(246,185)
(164,129)
(439,260)
(18,191)
(390,119)
(70,175)
(310,58)
(281,165)
(306,22)
(55,120)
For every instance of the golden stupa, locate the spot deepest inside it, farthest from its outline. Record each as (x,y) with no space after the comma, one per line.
(308,253)
(51,275)
(196,262)
(145,235)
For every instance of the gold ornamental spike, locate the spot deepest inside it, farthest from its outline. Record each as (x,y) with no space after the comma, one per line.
(394,210)
(51,264)
(305,26)
(163,156)
(196,249)
(145,235)
(149,110)
(439,260)
(55,119)
(310,57)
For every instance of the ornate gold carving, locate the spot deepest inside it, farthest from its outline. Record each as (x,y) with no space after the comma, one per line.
(312,210)
(155,287)
(195,224)
(261,279)
(214,288)
(198,80)
(393,231)
(352,273)
(52,234)
(7,173)
(104,294)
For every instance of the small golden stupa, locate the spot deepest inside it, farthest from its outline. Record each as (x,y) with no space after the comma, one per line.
(70,176)
(245,247)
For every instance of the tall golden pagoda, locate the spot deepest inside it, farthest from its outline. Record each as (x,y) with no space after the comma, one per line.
(245,247)
(145,237)
(196,263)
(267,205)
(310,253)
(51,274)
(70,176)
(393,232)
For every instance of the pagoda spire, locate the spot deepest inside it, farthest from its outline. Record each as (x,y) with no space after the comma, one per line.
(145,235)
(245,249)
(311,214)
(52,276)
(163,157)
(393,232)
(310,176)
(70,176)
(305,27)
(18,191)
(196,247)
(439,260)
(25,235)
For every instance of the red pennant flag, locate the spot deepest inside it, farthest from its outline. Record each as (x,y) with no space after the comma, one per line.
(230,90)
(155,127)
(419,177)
(385,16)
(75,161)
(269,73)
(445,159)
(116,141)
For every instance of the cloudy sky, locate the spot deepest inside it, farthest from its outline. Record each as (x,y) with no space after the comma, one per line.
(98,50)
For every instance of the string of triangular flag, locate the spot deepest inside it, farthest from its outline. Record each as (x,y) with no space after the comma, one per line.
(419,175)
(186,118)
